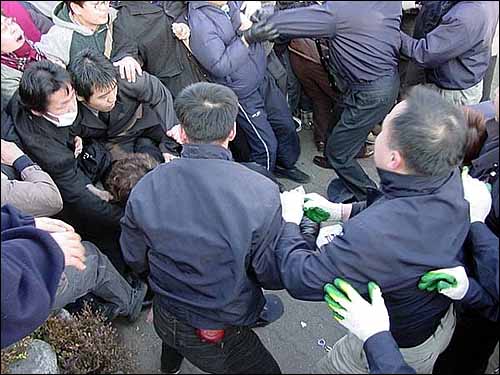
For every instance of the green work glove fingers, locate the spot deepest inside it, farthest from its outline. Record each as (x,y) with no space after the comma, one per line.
(351,293)
(337,316)
(444,285)
(428,286)
(432,276)
(373,288)
(336,295)
(334,306)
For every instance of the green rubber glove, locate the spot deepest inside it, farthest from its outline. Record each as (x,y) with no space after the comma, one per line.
(316,214)
(364,319)
(436,281)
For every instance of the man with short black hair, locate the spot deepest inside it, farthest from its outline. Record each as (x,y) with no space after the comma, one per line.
(136,115)
(209,249)
(417,222)
(51,124)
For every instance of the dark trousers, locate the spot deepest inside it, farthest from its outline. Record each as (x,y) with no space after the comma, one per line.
(316,85)
(100,278)
(365,106)
(268,125)
(240,352)
(471,347)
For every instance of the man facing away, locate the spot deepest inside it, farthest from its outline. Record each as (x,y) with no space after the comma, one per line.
(194,227)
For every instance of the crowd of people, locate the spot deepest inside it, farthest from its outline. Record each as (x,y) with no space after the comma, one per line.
(143,143)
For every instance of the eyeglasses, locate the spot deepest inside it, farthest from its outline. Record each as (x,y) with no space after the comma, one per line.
(98,4)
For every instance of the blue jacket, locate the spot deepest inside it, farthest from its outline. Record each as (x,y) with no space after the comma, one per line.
(414,225)
(457,53)
(482,264)
(384,357)
(485,167)
(195,224)
(364,38)
(217,47)
(32,264)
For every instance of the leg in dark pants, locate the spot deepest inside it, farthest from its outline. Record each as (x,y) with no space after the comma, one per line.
(365,106)
(252,119)
(99,278)
(240,352)
(281,121)
(471,347)
(316,85)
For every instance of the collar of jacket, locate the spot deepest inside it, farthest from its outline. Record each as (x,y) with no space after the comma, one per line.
(394,185)
(60,17)
(89,119)
(206,151)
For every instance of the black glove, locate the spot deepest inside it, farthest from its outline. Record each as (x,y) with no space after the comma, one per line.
(262,14)
(261,32)
(309,230)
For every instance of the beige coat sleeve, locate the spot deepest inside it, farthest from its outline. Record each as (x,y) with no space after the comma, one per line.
(36,194)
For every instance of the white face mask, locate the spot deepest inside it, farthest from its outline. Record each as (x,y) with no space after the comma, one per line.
(63,120)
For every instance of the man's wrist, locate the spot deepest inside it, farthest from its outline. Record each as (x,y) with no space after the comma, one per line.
(22,162)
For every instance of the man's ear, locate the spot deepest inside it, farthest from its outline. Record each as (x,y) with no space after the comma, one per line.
(183,135)
(232,133)
(80,98)
(396,161)
(36,113)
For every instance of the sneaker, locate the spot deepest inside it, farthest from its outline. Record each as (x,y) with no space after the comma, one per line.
(109,311)
(272,311)
(298,124)
(138,293)
(370,140)
(294,174)
(322,162)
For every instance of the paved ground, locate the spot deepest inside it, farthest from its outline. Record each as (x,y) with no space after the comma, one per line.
(293,344)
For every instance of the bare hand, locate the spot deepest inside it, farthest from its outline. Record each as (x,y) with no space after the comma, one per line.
(245,22)
(129,68)
(181,31)
(102,194)
(70,244)
(175,133)
(169,157)
(52,225)
(10,152)
(78,146)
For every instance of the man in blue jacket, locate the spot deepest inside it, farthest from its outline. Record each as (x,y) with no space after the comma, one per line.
(194,227)
(364,42)
(234,57)
(456,51)
(416,223)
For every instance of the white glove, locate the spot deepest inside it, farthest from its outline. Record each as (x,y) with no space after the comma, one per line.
(327,234)
(250,7)
(361,318)
(477,194)
(292,205)
(316,200)
(456,292)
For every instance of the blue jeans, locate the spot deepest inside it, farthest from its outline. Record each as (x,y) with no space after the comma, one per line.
(364,106)
(240,352)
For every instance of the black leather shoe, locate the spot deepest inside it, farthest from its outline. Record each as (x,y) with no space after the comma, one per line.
(322,162)
(294,174)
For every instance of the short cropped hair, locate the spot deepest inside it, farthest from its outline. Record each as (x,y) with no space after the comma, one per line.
(431,134)
(207,112)
(90,70)
(69,3)
(126,173)
(39,81)
(476,134)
